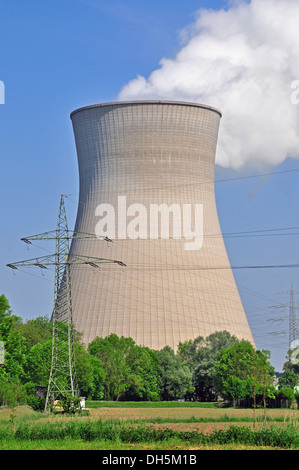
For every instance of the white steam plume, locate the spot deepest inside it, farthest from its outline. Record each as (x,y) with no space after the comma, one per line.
(243,61)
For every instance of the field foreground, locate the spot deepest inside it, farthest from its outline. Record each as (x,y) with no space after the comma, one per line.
(143,428)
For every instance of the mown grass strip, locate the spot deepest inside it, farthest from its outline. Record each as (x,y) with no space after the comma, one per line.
(149,404)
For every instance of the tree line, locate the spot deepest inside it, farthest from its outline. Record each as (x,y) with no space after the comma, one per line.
(116,368)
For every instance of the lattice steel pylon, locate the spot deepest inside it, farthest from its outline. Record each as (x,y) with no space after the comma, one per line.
(293,321)
(292,318)
(63,378)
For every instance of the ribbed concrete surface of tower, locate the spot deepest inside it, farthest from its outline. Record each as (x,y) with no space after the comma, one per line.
(146,173)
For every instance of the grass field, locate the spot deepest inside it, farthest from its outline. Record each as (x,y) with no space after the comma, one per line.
(140,426)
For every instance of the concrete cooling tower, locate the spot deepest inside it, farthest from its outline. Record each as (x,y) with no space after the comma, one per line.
(146,172)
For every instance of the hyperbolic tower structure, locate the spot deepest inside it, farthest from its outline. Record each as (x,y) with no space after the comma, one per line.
(146,173)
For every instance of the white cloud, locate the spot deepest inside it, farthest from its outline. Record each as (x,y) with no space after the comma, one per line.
(243,61)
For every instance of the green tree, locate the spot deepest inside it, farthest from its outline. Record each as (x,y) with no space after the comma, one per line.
(288,379)
(176,378)
(12,392)
(292,363)
(27,357)
(38,363)
(146,366)
(131,371)
(90,373)
(6,318)
(15,345)
(112,352)
(96,391)
(201,356)
(37,330)
(89,370)
(242,371)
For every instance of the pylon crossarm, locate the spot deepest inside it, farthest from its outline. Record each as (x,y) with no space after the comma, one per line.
(67,235)
(55,259)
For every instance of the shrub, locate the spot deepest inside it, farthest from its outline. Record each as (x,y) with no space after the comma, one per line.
(70,404)
(36,403)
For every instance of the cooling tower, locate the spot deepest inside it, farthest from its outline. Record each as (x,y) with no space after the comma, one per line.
(146,172)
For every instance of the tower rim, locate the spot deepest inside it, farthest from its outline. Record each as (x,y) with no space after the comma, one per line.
(147,102)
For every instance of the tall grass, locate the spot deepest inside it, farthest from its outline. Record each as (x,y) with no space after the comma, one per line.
(286,437)
(119,431)
(218,419)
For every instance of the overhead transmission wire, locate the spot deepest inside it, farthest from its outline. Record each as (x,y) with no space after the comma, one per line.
(244,233)
(226,267)
(258,176)
(144,266)
(159,315)
(147,304)
(250,233)
(134,282)
(224,180)
(201,291)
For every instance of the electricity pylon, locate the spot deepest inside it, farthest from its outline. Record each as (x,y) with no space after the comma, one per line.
(293,330)
(293,321)
(63,378)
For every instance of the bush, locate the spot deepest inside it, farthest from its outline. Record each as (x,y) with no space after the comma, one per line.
(36,403)
(70,404)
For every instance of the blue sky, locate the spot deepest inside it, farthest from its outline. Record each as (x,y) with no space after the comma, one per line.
(57,56)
